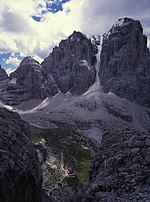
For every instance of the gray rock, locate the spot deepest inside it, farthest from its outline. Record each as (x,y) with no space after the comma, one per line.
(20,172)
(70,67)
(29,75)
(147,142)
(71,64)
(125,62)
(3,74)
(119,173)
(27,82)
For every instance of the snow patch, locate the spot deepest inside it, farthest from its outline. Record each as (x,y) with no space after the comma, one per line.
(13,81)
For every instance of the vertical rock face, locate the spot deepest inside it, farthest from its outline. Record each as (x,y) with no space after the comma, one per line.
(72,64)
(3,74)
(70,67)
(125,61)
(28,75)
(28,82)
(20,173)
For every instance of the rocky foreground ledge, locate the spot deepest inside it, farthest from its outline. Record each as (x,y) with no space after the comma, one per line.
(20,172)
(121,170)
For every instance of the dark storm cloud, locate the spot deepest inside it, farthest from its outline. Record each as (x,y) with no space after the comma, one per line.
(101,14)
(13,22)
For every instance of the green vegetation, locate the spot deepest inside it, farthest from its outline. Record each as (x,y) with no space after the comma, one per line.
(83,173)
(36,138)
(77,150)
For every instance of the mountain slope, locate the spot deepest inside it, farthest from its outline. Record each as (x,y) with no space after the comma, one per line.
(92,113)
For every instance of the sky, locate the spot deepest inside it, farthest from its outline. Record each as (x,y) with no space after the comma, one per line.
(34,27)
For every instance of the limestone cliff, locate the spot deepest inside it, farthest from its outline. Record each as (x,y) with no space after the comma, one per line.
(125,62)
(72,64)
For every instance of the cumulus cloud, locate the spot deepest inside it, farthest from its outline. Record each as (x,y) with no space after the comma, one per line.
(102,14)
(13,61)
(21,33)
(10,70)
(13,22)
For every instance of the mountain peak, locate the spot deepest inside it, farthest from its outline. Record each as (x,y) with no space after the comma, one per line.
(28,60)
(124,21)
(125,59)
(122,24)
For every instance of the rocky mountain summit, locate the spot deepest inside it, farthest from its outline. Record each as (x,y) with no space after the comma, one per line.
(20,172)
(27,82)
(71,94)
(72,63)
(125,62)
(121,170)
(70,67)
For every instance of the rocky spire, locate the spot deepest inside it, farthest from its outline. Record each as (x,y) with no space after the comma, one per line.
(125,61)
(72,63)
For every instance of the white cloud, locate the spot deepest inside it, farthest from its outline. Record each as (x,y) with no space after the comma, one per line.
(20,33)
(10,70)
(13,61)
(99,15)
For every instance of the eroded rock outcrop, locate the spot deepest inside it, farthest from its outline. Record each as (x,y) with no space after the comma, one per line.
(125,62)
(27,82)
(70,67)
(121,170)
(29,74)
(72,64)
(3,74)
(20,173)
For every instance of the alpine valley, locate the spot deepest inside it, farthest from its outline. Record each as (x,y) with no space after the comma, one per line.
(77,126)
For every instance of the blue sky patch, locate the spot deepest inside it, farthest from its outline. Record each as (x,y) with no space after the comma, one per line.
(52,6)
(5,56)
